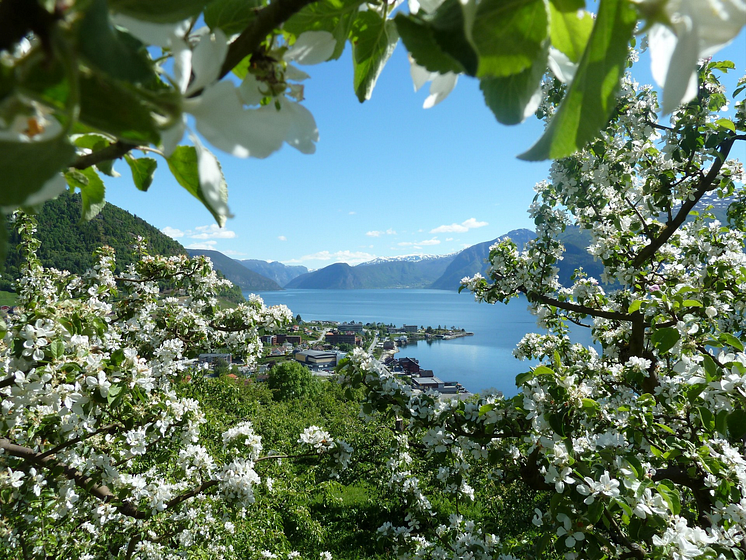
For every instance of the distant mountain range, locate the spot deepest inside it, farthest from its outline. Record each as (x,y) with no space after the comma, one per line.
(234,271)
(472,260)
(406,258)
(442,272)
(280,273)
(382,274)
(68,245)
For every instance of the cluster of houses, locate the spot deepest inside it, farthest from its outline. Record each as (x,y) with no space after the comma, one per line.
(422,379)
(323,357)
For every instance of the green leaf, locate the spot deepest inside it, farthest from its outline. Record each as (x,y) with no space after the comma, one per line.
(185,169)
(231,16)
(113,393)
(131,121)
(707,418)
(438,41)
(711,368)
(635,463)
(57,348)
(691,303)
(95,142)
(591,97)
(721,422)
(419,39)
(668,490)
(92,191)
(509,97)
(665,428)
(634,306)
(726,123)
(484,409)
(591,406)
(373,42)
(158,11)
(509,35)
(569,28)
(736,422)
(112,51)
(3,253)
(731,340)
(557,423)
(664,339)
(543,370)
(335,16)
(25,167)
(142,170)
(521,378)
(595,510)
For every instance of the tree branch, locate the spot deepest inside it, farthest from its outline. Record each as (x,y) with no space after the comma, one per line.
(81,480)
(8,381)
(705,185)
(78,439)
(88,484)
(576,308)
(302,455)
(268,18)
(697,485)
(112,151)
(635,550)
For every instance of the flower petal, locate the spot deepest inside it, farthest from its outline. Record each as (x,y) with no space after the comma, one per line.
(211,182)
(159,34)
(170,137)
(51,189)
(440,87)
(207,60)
(561,66)
(182,69)
(219,115)
(312,47)
(250,90)
(420,75)
(302,133)
(295,74)
(662,42)
(681,79)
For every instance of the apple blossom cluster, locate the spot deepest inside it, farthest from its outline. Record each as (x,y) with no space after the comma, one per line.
(99,453)
(638,441)
(320,442)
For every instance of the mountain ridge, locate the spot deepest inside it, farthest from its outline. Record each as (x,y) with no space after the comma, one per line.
(233,270)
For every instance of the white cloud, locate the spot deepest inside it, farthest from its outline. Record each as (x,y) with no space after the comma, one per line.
(213,231)
(433,241)
(172,232)
(349,257)
(352,213)
(449,238)
(233,253)
(463,227)
(376,233)
(205,245)
(282,238)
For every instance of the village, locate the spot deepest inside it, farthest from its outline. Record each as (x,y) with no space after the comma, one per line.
(321,345)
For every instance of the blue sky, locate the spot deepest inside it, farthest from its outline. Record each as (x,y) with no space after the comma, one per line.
(388,177)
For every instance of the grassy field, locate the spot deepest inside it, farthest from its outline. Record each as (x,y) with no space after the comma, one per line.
(8,298)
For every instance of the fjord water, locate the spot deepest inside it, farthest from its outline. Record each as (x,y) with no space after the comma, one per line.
(478,362)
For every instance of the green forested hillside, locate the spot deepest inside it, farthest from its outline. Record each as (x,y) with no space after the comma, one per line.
(67,244)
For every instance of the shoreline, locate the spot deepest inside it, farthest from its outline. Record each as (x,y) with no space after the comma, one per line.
(464,393)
